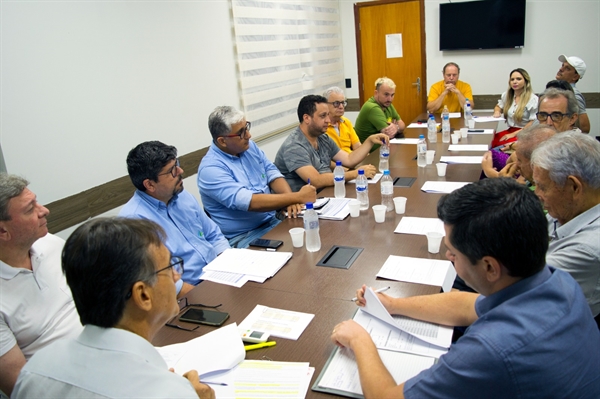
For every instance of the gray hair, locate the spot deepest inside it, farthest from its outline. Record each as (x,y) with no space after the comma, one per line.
(384,81)
(10,186)
(531,137)
(331,90)
(221,120)
(570,154)
(553,92)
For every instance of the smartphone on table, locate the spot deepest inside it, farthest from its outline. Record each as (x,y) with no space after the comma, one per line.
(203,316)
(271,245)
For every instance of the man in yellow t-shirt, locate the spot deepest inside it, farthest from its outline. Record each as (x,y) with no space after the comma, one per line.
(450,91)
(340,129)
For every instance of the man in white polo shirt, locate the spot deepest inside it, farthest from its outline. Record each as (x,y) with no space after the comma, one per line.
(36,306)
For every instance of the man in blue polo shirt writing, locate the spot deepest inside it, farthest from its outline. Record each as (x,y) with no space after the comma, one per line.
(154,170)
(240,188)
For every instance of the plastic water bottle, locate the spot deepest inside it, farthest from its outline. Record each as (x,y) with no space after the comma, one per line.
(445,125)
(384,157)
(362,190)
(422,152)
(339,181)
(311,225)
(431,129)
(387,191)
(468,112)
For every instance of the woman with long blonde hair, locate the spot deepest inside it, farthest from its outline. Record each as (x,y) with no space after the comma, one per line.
(518,105)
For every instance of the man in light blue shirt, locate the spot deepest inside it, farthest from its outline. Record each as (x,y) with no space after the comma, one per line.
(240,188)
(154,170)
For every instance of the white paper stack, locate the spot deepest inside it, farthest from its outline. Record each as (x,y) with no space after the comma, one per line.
(277,322)
(420,226)
(237,266)
(434,272)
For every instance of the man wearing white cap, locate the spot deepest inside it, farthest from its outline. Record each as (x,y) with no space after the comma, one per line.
(572,69)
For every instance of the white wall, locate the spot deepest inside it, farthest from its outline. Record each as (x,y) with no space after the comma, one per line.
(552,28)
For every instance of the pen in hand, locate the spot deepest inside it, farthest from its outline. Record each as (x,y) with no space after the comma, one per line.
(376,291)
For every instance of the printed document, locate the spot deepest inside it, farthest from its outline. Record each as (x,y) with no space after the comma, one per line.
(277,322)
(421,226)
(248,261)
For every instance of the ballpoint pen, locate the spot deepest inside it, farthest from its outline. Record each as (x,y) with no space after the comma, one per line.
(259,346)
(376,291)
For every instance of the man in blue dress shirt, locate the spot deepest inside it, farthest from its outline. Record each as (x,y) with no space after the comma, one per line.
(240,188)
(531,333)
(154,170)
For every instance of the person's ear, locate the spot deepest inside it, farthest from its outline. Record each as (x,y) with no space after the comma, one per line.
(574,186)
(149,185)
(493,269)
(4,233)
(141,295)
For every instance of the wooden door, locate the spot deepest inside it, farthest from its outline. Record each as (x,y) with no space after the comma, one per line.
(374,20)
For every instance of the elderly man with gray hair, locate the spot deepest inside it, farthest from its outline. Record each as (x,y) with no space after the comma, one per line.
(240,188)
(558,108)
(340,129)
(36,305)
(566,171)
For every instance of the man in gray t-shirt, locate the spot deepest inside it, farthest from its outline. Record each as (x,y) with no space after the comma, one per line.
(572,69)
(306,154)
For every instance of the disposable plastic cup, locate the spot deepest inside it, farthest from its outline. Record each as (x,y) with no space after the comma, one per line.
(434,239)
(471,124)
(464,132)
(430,155)
(354,206)
(400,205)
(297,234)
(441,168)
(379,212)
(455,138)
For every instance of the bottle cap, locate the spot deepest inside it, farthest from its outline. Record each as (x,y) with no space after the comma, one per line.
(386,172)
(420,136)
(361,172)
(338,163)
(309,205)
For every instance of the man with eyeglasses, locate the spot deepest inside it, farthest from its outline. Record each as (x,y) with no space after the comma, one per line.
(571,70)
(154,170)
(36,306)
(340,129)
(378,115)
(558,108)
(123,281)
(240,188)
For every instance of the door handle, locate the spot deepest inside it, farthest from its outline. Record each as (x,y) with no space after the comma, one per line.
(418,84)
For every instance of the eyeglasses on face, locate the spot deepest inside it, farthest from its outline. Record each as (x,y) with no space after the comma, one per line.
(336,104)
(242,132)
(173,170)
(555,116)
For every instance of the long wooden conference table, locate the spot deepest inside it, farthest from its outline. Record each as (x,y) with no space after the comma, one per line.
(326,292)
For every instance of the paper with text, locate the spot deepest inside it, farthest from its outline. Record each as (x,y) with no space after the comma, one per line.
(277,322)
(248,261)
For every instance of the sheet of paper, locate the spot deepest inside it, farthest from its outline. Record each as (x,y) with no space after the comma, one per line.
(468,147)
(336,209)
(223,347)
(436,272)
(233,279)
(443,187)
(374,180)
(342,371)
(422,125)
(420,226)
(429,332)
(488,118)
(393,339)
(480,131)
(277,322)
(462,159)
(264,379)
(248,261)
(393,45)
(454,115)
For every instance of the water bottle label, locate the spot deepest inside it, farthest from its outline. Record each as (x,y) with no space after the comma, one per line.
(422,148)
(358,188)
(385,154)
(338,178)
(314,224)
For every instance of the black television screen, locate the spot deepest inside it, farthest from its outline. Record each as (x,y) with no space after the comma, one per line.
(484,24)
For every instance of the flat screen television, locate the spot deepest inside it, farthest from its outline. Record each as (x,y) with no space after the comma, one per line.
(487,24)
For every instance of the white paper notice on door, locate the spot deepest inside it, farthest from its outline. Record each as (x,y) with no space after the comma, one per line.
(393,45)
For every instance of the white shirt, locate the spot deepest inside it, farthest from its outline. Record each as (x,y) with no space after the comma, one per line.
(100,363)
(36,307)
(529,112)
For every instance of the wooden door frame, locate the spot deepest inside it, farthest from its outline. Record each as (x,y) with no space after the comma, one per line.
(357,7)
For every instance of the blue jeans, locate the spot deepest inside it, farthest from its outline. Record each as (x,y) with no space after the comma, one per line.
(243,240)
